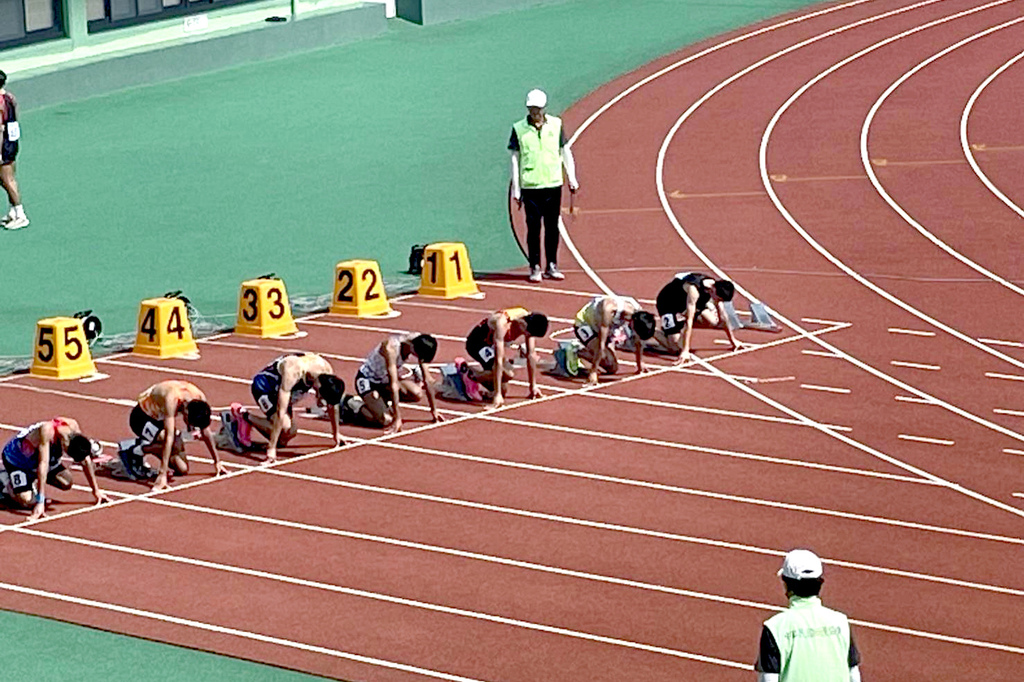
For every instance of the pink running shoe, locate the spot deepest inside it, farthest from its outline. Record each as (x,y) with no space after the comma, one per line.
(244,428)
(473,388)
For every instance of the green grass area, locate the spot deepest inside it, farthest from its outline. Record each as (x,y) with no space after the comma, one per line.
(291,165)
(44,650)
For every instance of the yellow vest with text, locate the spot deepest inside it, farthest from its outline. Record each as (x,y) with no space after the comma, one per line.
(813,641)
(540,154)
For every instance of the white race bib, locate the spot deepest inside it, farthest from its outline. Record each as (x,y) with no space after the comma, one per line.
(363,385)
(668,321)
(486,353)
(585,333)
(13,131)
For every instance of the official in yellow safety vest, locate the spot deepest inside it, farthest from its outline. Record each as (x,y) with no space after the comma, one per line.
(539,151)
(807,642)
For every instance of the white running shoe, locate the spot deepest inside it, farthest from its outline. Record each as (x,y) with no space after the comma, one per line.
(553,272)
(16,223)
(535,273)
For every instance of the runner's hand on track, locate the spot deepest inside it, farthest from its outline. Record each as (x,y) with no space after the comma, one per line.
(37,513)
(684,358)
(498,401)
(161,483)
(536,393)
(102,498)
(438,418)
(221,469)
(395,427)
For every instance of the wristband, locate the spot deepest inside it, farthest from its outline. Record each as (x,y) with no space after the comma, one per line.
(40,498)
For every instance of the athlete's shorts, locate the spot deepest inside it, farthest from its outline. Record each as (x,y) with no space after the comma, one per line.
(8,152)
(476,346)
(671,314)
(265,389)
(22,479)
(619,335)
(365,386)
(144,426)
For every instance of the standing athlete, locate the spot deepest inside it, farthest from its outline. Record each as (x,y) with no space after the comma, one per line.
(384,380)
(539,151)
(692,298)
(154,422)
(607,323)
(276,388)
(32,459)
(487,341)
(10,133)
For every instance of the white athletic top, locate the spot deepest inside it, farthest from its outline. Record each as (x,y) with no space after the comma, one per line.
(375,366)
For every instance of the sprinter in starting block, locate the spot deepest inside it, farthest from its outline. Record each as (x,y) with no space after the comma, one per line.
(276,389)
(690,299)
(33,458)
(154,422)
(487,341)
(607,323)
(384,379)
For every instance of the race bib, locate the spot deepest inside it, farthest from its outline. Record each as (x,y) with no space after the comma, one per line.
(585,332)
(668,321)
(150,431)
(265,403)
(363,385)
(13,131)
(19,479)
(486,353)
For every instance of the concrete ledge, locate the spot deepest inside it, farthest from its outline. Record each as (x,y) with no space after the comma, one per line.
(265,41)
(425,12)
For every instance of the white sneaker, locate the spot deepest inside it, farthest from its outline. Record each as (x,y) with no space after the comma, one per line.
(535,273)
(553,272)
(16,223)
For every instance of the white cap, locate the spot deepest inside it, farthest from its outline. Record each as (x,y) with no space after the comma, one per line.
(801,564)
(536,98)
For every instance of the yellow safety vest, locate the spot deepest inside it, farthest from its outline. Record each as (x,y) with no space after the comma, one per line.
(540,157)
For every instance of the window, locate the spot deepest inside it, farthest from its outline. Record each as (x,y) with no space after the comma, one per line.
(108,14)
(29,21)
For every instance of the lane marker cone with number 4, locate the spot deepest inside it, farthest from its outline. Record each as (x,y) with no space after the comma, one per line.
(164,330)
(447,273)
(61,350)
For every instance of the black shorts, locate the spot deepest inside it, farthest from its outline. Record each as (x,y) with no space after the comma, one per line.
(365,386)
(8,152)
(671,315)
(477,346)
(144,426)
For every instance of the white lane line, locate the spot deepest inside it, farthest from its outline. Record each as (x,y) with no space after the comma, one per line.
(1011,377)
(966,147)
(773,195)
(98,376)
(708,410)
(1012,413)
(925,439)
(122,402)
(821,354)
(622,528)
(818,320)
(999,342)
(704,449)
(1012,451)
(436,608)
(913,399)
(893,204)
(910,332)
(1018,494)
(914,365)
(826,389)
(244,634)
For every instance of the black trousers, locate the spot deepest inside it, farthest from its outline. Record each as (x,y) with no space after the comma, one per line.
(542,205)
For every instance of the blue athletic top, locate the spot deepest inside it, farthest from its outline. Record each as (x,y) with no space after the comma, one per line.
(21,454)
(268,380)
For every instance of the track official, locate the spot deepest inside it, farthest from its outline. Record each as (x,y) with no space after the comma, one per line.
(807,642)
(538,153)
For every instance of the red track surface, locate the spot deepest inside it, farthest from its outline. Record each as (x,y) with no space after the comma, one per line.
(633,531)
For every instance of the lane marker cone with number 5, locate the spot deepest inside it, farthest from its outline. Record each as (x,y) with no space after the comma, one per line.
(61,350)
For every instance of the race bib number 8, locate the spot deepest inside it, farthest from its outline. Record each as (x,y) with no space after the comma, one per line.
(19,479)
(668,321)
(13,131)
(486,353)
(362,385)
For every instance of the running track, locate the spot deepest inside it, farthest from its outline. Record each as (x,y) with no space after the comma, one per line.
(857,167)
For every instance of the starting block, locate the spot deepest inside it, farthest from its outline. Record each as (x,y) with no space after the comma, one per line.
(447,273)
(61,349)
(760,319)
(164,330)
(263,309)
(359,290)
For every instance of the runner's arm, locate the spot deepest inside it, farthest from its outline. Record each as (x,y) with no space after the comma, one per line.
(728,328)
(284,399)
(391,357)
(531,366)
(570,168)
(207,436)
(165,454)
(500,329)
(43,470)
(90,475)
(429,388)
